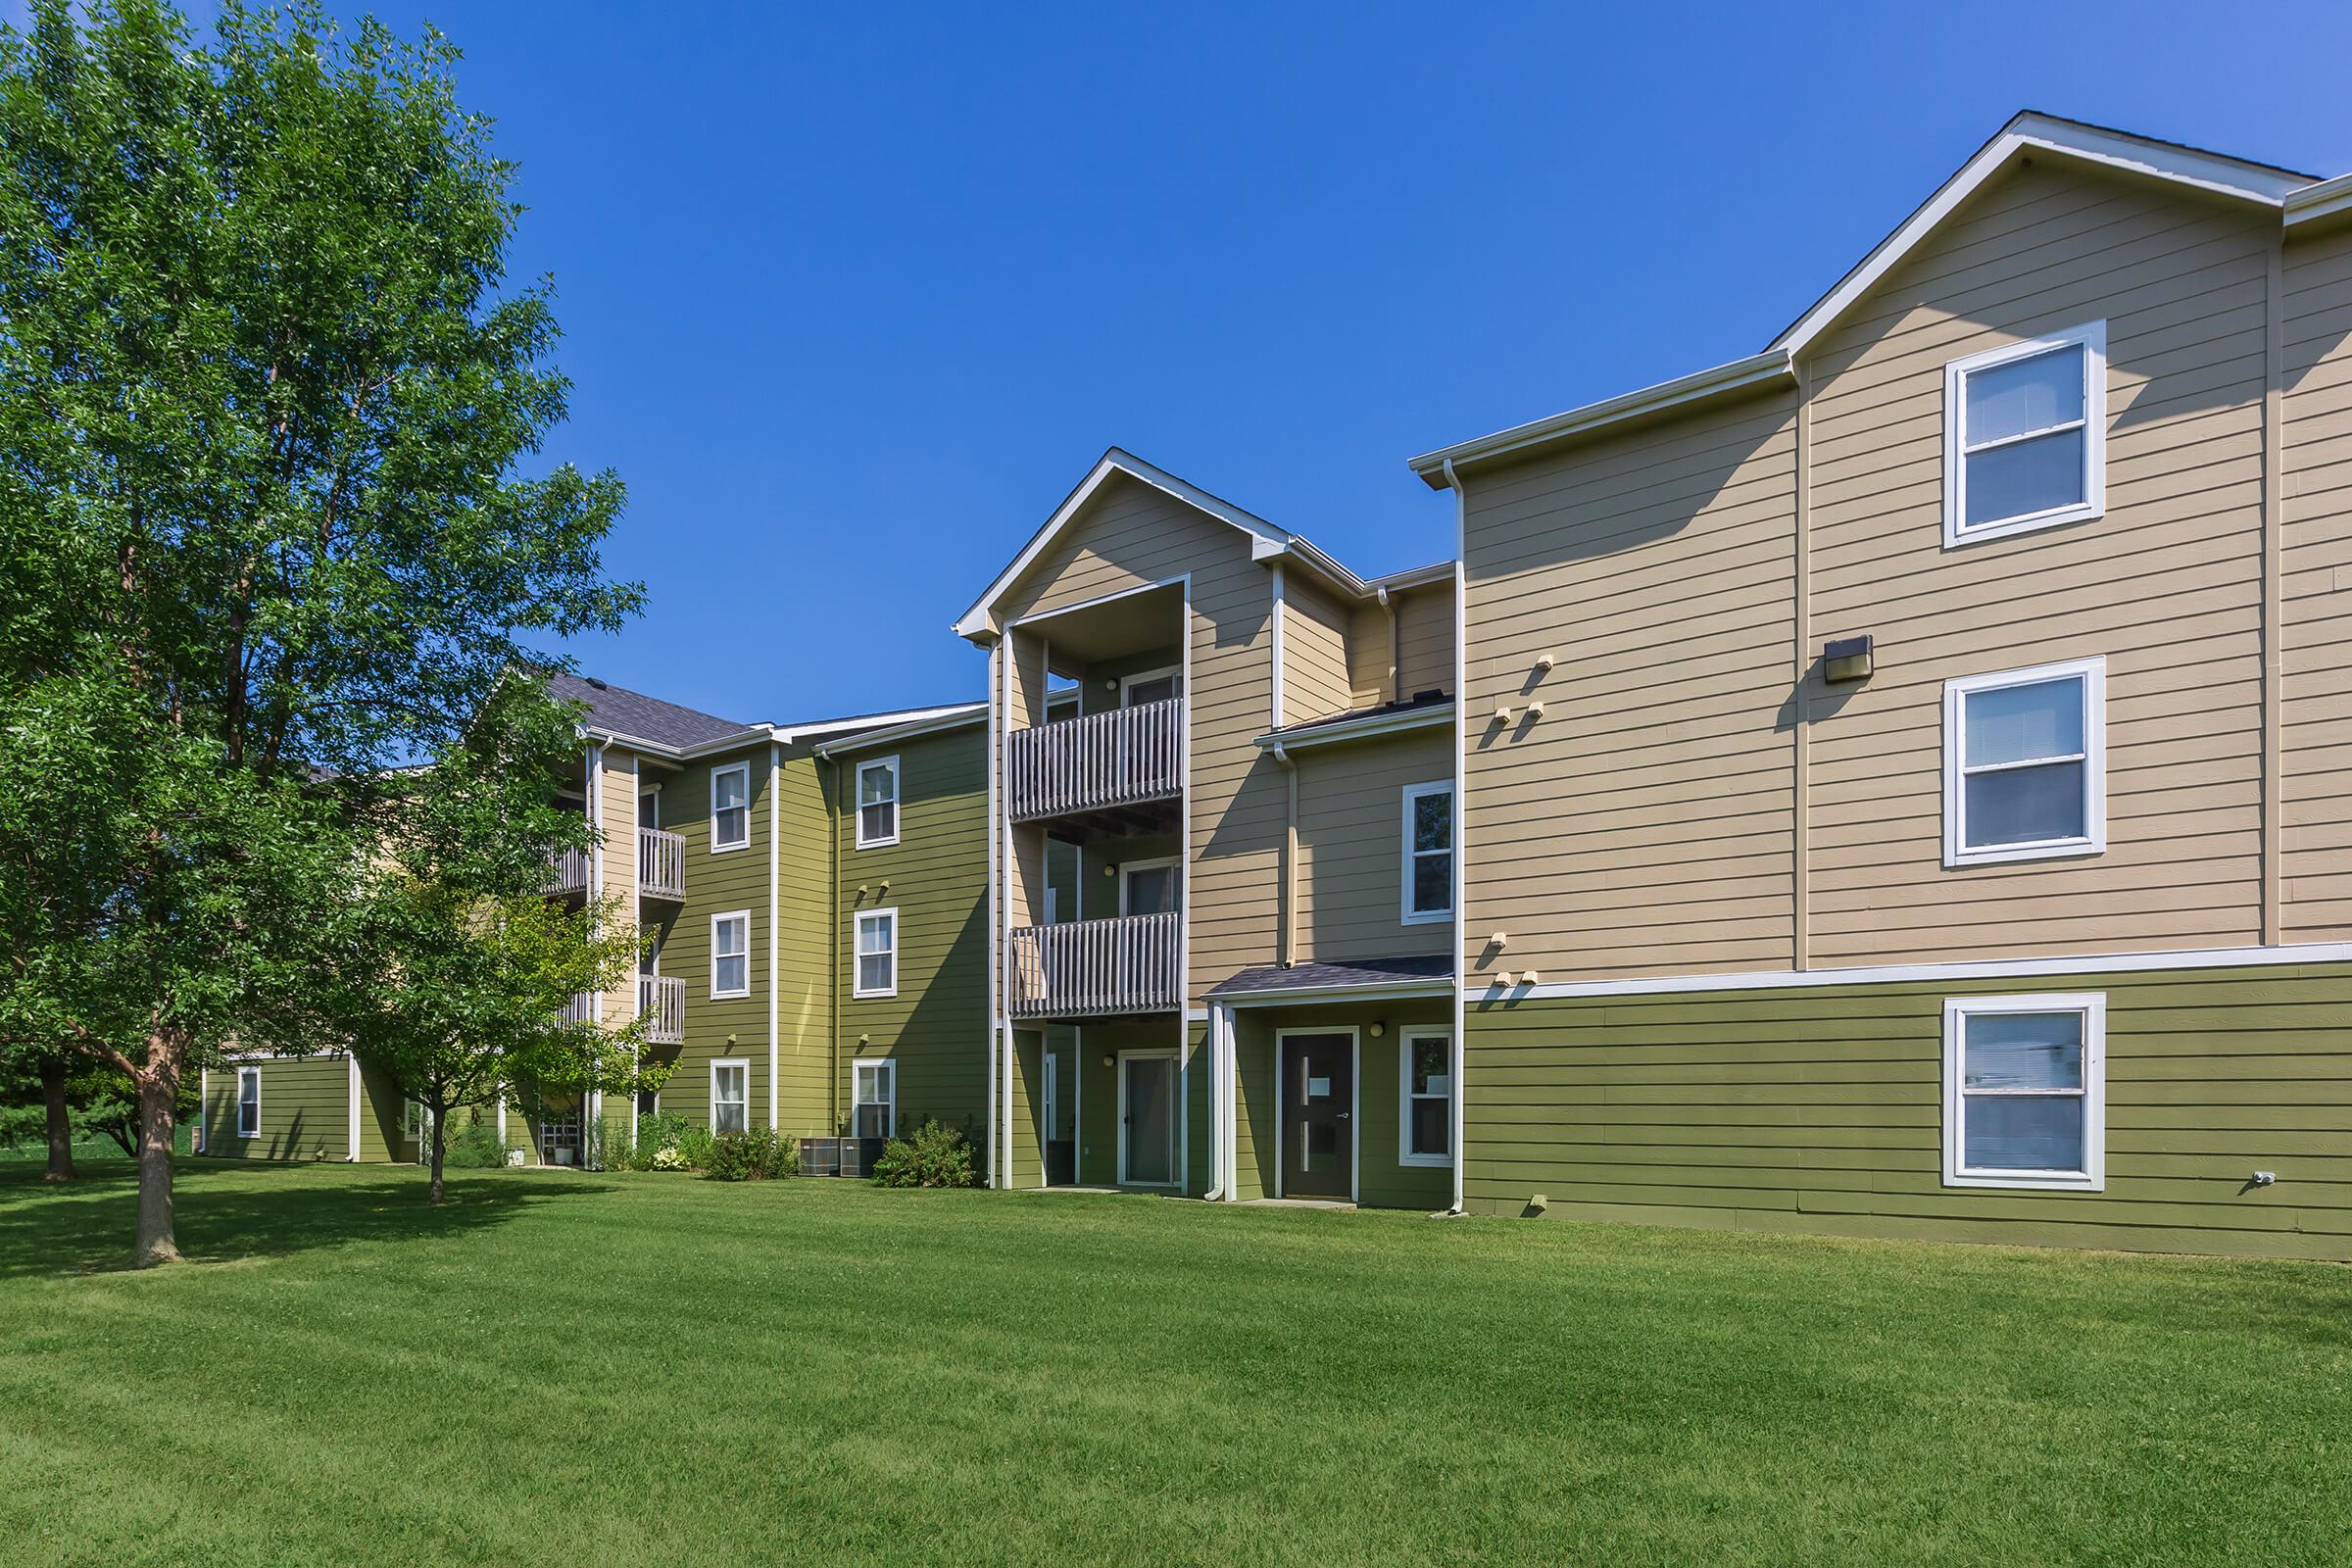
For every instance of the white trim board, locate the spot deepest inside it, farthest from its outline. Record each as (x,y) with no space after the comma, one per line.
(981,621)
(1899,973)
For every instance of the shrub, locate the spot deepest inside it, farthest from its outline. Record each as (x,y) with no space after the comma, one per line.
(476,1146)
(657,1144)
(751,1157)
(935,1156)
(694,1146)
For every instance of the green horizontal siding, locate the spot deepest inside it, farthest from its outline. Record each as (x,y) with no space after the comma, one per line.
(1820,1108)
(306,1111)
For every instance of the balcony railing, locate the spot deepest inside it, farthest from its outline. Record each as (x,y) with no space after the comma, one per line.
(660,863)
(1085,968)
(581,1008)
(1121,756)
(661,1002)
(570,872)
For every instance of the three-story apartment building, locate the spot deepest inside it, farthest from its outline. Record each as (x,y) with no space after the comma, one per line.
(1895,783)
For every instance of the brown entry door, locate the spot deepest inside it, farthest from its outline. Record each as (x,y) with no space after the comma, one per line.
(1318,1117)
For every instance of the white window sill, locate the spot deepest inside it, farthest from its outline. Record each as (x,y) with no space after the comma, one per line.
(2030,522)
(2007,854)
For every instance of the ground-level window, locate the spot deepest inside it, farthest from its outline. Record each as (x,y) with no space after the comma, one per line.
(877,803)
(731,953)
(249,1101)
(2025,1092)
(1427,1112)
(2024,763)
(1428,852)
(877,954)
(730,1097)
(875,1092)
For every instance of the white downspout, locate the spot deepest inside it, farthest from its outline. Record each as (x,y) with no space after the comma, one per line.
(1461,815)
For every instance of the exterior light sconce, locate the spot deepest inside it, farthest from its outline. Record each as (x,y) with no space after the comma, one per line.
(1378,1029)
(1107,1061)
(885,888)
(1498,941)
(1535,711)
(1110,683)
(1847,658)
(865,1041)
(1544,664)
(1531,978)
(1110,868)
(1502,715)
(1504,980)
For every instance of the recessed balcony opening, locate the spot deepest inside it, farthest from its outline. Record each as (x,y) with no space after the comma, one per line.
(1098,737)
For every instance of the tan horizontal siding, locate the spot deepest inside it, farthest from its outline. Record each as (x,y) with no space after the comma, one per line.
(1315,679)
(2316,689)
(1656,568)
(1351,846)
(1425,639)
(2166,586)
(1369,654)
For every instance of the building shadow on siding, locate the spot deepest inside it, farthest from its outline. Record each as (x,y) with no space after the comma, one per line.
(225,1212)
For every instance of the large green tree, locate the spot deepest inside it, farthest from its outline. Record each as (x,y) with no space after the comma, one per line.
(266,397)
(456,968)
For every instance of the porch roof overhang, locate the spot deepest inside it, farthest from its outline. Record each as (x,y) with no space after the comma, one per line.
(1364,979)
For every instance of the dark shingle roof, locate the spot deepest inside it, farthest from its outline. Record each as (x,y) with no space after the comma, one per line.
(1410,705)
(646,718)
(1415,970)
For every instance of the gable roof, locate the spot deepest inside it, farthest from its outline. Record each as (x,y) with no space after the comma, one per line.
(615,712)
(1268,542)
(2295,196)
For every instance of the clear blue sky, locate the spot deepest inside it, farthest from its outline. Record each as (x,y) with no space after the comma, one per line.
(854,296)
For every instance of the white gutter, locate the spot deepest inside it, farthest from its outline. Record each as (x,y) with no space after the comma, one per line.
(1330,732)
(1436,469)
(2324,199)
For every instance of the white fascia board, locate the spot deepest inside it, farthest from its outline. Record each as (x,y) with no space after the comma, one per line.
(2157,962)
(1434,715)
(980,621)
(1418,577)
(1352,993)
(2210,172)
(971,713)
(1757,370)
(2325,199)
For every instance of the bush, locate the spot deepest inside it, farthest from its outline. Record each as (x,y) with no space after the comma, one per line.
(475,1145)
(935,1156)
(657,1146)
(751,1157)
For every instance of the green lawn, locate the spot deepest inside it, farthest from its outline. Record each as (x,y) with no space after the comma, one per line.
(660,1370)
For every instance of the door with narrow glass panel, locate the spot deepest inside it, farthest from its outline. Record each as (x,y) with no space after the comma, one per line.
(1318,1117)
(1148,1120)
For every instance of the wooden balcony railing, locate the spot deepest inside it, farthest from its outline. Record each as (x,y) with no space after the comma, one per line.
(581,1008)
(661,1002)
(1084,968)
(660,863)
(1121,756)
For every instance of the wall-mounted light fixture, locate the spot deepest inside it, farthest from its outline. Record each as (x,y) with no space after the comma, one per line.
(1535,710)
(1378,1029)
(1544,664)
(1106,1058)
(1502,715)
(1846,659)
(1110,868)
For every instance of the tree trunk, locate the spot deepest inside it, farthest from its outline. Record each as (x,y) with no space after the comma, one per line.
(439,1121)
(159,1091)
(61,1120)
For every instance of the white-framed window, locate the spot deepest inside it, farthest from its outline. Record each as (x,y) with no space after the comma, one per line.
(874,1099)
(249,1101)
(877,803)
(731,953)
(2024,763)
(2025,436)
(1428,850)
(730,808)
(412,1119)
(1425,1112)
(1151,887)
(731,1096)
(2025,1092)
(1151,686)
(877,956)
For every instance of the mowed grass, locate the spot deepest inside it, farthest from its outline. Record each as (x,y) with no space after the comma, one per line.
(656,1370)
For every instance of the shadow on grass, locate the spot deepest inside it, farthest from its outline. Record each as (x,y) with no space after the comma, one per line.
(222,1213)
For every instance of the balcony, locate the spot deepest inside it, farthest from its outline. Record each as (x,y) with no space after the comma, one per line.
(660,865)
(570,871)
(1090,968)
(1108,764)
(661,1002)
(581,1008)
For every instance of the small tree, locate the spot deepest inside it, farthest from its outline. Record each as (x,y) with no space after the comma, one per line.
(455,967)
